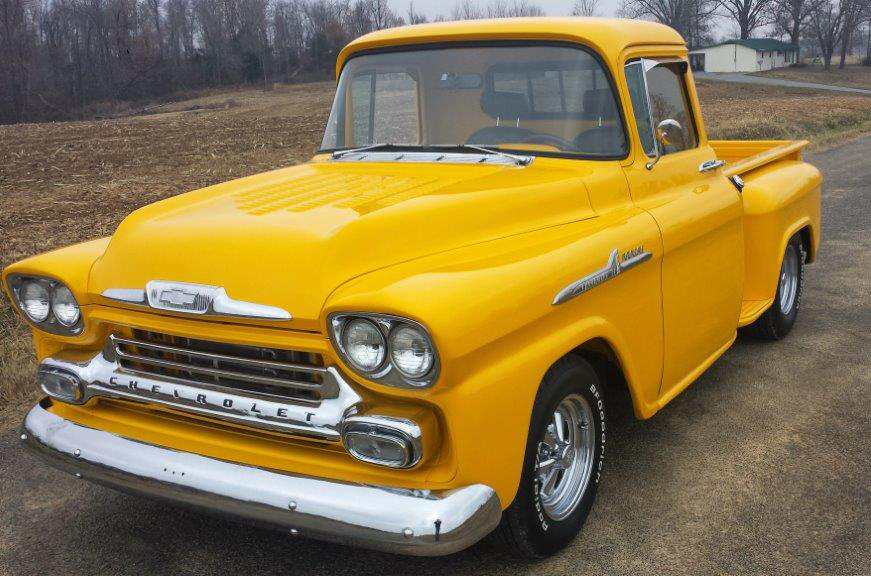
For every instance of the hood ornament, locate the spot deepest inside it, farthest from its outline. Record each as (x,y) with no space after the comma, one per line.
(194,299)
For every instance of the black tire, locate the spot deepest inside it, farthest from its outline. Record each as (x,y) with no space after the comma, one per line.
(527,530)
(778,320)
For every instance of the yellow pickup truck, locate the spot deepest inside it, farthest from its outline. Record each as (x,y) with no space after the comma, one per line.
(404,344)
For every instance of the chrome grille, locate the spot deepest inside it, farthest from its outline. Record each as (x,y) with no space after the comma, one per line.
(271,372)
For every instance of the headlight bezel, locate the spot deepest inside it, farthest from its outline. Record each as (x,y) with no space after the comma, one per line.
(387,373)
(51,323)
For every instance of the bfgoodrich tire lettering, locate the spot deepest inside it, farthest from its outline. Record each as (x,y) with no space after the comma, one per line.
(538,524)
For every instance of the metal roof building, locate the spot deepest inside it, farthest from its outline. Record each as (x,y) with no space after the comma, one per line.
(750,55)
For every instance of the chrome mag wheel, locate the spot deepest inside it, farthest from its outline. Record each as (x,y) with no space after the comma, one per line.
(789,272)
(564,462)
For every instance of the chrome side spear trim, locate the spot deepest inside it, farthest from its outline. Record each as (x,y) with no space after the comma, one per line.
(613,268)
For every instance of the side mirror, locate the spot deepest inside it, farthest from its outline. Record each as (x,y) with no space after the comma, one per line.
(667,133)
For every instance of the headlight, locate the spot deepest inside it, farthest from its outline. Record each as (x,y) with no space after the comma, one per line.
(364,344)
(34,300)
(411,351)
(385,349)
(64,305)
(49,304)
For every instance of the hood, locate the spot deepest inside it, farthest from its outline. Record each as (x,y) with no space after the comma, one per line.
(288,238)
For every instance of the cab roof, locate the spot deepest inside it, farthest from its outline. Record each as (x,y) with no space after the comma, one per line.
(609,36)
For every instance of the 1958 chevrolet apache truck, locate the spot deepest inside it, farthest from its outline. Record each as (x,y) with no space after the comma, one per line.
(403,343)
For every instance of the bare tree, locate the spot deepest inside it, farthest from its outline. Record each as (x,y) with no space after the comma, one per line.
(827,23)
(747,14)
(854,11)
(466,10)
(585,7)
(691,18)
(415,17)
(515,8)
(382,16)
(792,16)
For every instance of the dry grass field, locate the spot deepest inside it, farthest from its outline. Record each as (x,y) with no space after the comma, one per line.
(62,183)
(852,76)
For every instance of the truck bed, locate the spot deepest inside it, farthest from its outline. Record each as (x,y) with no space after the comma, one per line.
(743,156)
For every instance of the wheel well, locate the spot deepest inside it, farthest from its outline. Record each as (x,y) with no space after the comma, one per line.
(604,360)
(805,236)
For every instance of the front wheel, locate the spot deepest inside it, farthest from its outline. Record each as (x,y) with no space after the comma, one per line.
(563,463)
(778,320)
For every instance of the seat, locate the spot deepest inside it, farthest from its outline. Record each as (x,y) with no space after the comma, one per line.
(607,138)
(507,108)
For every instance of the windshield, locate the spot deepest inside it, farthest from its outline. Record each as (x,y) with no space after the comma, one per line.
(538,99)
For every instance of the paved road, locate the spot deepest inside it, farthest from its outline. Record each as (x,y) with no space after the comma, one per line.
(763,466)
(764,80)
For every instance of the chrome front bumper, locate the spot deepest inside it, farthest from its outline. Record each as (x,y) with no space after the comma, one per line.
(417,522)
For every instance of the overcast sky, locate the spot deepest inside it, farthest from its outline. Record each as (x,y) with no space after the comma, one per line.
(433,8)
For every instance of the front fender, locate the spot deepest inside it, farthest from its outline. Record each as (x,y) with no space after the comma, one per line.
(489,308)
(72,266)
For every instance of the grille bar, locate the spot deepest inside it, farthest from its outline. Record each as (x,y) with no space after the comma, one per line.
(270,372)
(256,363)
(216,371)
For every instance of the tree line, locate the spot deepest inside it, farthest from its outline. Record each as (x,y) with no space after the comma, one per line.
(828,26)
(58,57)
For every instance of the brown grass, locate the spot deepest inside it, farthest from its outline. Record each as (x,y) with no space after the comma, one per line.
(67,182)
(852,76)
(736,111)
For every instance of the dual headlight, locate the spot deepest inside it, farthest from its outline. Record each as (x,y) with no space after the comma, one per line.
(386,349)
(47,303)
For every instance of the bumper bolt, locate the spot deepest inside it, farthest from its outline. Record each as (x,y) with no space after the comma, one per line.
(294,532)
(24,436)
(291,506)
(78,474)
(407,532)
(77,452)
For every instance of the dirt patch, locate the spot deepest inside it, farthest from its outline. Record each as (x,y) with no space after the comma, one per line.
(67,182)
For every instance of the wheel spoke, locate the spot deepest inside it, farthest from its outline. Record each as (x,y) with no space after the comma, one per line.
(558,427)
(545,465)
(548,484)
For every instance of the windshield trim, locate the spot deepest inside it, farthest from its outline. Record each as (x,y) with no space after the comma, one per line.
(509,43)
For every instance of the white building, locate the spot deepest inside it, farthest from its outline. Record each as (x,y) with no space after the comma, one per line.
(751,55)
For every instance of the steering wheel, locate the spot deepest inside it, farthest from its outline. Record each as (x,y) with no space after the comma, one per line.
(550,140)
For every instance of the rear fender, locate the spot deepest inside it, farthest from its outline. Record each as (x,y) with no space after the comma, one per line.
(779,200)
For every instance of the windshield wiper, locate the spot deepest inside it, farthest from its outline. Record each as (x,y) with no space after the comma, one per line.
(339,153)
(519,160)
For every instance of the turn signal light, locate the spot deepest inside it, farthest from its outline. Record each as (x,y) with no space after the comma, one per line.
(60,384)
(383,440)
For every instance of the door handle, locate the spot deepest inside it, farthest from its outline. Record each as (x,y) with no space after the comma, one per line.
(711,165)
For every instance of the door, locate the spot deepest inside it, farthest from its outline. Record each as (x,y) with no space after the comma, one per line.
(699,213)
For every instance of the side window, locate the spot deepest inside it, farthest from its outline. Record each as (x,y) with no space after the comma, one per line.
(640,110)
(666,100)
(384,108)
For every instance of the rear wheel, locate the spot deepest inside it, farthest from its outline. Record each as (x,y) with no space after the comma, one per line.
(779,319)
(562,465)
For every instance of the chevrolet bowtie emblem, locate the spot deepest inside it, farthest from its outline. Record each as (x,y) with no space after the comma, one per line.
(194,299)
(177,297)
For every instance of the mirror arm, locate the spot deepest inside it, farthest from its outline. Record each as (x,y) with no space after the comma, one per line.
(656,158)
